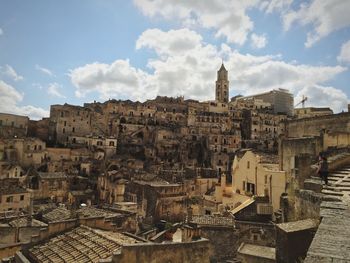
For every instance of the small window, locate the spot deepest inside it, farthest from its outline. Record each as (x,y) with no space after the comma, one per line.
(111,143)
(248,165)
(21,197)
(243,186)
(9,199)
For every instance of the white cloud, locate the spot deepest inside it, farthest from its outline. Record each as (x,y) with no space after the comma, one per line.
(228,18)
(1,32)
(322,96)
(112,80)
(187,66)
(54,90)
(9,99)
(275,5)
(325,17)
(258,41)
(44,70)
(10,72)
(172,42)
(344,55)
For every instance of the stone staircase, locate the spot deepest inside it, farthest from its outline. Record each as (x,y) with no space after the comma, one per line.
(332,239)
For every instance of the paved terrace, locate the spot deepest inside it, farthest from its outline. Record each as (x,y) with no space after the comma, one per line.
(332,240)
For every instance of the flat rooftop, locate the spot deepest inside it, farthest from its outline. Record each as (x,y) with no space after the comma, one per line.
(300,225)
(257,251)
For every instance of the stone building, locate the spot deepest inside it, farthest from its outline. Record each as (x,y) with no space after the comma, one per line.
(157,199)
(257,174)
(69,120)
(53,186)
(13,197)
(107,145)
(281,99)
(309,112)
(13,126)
(26,152)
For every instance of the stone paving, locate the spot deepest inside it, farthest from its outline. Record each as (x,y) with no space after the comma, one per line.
(332,240)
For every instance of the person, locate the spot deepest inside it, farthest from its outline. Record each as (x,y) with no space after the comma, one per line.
(323,169)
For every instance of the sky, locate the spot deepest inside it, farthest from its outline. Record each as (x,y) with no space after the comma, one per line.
(76,51)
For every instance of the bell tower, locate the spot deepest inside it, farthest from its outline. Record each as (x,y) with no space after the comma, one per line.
(222,88)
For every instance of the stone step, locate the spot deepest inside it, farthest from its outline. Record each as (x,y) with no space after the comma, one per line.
(332,193)
(337,175)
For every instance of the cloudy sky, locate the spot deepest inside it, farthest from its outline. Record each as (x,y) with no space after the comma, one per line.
(52,52)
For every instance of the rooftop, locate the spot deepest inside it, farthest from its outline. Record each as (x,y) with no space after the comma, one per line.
(58,214)
(257,251)
(23,222)
(95,212)
(56,175)
(300,225)
(210,220)
(11,186)
(82,244)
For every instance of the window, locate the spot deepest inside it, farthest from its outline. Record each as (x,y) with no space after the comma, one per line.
(111,143)
(251,188)
(9,199)
(248,165)
(73,129)
(65,123)
(243,186)
(21,197)
(0,122)
(99,143)
(63,130)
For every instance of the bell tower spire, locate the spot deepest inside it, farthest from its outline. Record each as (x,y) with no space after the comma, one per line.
(222,85)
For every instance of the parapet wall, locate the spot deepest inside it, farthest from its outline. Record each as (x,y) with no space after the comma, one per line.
(186,252)
(313,126)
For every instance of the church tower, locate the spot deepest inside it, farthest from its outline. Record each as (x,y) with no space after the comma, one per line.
(222,88)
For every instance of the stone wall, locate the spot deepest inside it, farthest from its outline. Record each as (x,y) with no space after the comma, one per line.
(187,252)
(223,241)
(313,126)
(9,251)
